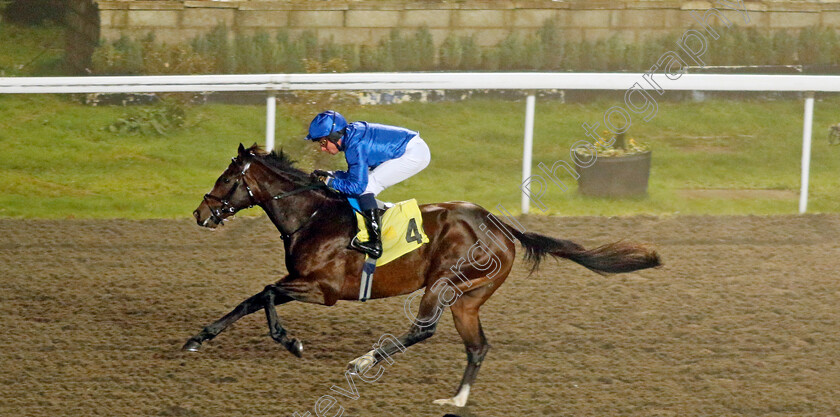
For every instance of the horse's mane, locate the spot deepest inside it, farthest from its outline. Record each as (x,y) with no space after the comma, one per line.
(282,162)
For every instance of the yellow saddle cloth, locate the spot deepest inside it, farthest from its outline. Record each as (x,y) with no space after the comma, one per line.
(402,230)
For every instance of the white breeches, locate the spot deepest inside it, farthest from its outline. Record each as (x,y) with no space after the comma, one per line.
(388,173)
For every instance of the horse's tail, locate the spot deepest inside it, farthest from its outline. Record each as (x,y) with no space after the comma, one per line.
(610,258)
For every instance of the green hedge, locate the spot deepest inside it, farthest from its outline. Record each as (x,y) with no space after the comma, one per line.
(33,12)
(220,51)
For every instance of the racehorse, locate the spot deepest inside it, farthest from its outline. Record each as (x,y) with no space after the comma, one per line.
(316,225)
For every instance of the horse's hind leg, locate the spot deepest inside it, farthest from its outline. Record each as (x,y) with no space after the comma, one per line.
(423,328)
(465,313)
(253,304)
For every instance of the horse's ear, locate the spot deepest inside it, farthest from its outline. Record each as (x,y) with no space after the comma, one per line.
(241,149)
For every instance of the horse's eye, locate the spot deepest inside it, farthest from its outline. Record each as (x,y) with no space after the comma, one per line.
(227,180)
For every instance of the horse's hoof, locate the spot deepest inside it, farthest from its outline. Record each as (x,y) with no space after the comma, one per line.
(361,364)
(295,347)
(459,400)
(192,346)
(448,401)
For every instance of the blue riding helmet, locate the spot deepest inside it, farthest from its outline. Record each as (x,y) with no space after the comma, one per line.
(325,123)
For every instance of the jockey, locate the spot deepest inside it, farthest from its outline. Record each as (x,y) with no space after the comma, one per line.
(378,156)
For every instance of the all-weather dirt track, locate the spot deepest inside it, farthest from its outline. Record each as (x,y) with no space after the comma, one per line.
(743,320)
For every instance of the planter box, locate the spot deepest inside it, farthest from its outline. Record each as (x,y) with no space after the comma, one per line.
(616,176)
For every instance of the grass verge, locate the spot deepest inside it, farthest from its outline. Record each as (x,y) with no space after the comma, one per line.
(58,162)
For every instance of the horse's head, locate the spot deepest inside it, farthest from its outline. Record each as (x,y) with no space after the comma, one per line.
(230,194)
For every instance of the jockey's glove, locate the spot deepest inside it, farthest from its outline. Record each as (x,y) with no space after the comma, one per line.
(323,176)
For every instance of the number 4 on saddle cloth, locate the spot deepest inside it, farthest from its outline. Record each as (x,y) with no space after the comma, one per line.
(402,232)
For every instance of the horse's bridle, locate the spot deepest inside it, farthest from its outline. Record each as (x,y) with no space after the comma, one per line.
(217,212)
(226,207)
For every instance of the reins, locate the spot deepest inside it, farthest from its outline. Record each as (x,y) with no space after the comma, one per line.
(303,188)
(298,191)
(286,236)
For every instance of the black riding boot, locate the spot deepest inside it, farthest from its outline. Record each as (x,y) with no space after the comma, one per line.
(373,246)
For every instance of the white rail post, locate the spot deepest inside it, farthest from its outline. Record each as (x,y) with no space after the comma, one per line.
(806,151)
(530,103)
(270,115)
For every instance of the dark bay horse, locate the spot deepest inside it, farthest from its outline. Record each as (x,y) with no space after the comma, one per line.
(469,255)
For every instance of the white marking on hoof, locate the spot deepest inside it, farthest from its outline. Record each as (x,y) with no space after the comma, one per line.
(362,363)
(459,400)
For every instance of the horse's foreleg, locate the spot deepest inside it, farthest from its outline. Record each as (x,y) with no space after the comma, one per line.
(284,291)
(253,304)
(421,329)
(272,296)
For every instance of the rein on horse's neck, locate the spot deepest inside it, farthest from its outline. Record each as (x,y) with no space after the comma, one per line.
(277,206)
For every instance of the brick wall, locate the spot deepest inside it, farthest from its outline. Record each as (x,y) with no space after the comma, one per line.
(365,22)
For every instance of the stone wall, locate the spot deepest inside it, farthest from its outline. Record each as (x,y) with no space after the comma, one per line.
(83,34)
(366,22)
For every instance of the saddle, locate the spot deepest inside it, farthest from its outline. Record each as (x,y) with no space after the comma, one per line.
(401,233)
(402,229)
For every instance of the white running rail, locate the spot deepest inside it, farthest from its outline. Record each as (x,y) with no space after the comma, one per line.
(271,83)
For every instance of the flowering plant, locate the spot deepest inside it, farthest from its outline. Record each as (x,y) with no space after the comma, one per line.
(619,145)
(834,135)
